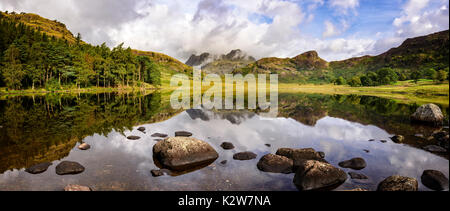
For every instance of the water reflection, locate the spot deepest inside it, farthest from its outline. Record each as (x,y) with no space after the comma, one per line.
(49,129)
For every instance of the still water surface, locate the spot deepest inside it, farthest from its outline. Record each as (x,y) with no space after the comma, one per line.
(49,129)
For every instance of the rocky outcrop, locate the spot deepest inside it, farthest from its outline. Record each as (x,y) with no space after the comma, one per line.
(316,175)
(69,167)
(199,60)
(354,163)
(434,180)
(398,183)
(39,168)
(429,113)
(183,153)
(276,164)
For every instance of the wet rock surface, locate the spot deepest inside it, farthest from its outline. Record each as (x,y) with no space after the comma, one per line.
(227,145)
(84,146)
(398,183)
(159,135)
(182,153)
(244,156)
(77,188)
(429,113)
(355,175)
(316,175)
(69,167)
(133,137)
(354,163)
(39,168)
(142,129)
(275,164)
(434,180)
(300,155)
(183,134)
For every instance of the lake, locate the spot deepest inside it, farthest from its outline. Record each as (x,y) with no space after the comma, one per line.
(37,129)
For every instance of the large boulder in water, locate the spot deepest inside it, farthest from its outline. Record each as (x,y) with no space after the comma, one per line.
(183,153)
(69,167)
(275,164)
(398,183)
(39,168)
(429,113)
(300,155)
(435,180)
(316,175)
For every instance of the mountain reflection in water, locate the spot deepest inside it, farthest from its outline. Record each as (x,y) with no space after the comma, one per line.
(48,129)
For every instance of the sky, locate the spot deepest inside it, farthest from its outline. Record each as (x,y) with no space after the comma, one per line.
(336,29)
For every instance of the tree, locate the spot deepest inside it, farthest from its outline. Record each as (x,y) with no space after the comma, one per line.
(366,81)
(416,75)
(441,75)
(340,81)
(355,81)
(12,71)
(430,73)
(386,76)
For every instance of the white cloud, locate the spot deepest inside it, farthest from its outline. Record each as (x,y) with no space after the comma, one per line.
(343,6)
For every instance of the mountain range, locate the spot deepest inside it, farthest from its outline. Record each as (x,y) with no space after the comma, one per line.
(430,51)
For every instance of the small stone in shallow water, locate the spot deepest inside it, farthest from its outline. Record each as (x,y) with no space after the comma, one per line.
(157,173)
(183,134)
(366,150)
(133,137)
(142,129)
(398,183)
(84,146)
(39,168)
(383,141)
(355,175)
(397,138)
(434,148)
(69,167)
(372,140)
(268,145)
(434,180)
(354,163)
(223,162)
(244,156)
(160,135)
(77,188)
(227,145)
(316,175)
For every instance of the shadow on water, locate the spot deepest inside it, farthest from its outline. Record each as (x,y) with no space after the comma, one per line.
(48,129)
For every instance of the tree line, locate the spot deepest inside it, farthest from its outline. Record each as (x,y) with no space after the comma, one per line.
(30,58)
(386,76)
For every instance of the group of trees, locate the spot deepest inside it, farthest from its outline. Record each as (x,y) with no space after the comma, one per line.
(30,58)
(385,76)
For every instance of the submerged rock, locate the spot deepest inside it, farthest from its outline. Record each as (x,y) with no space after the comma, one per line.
(223,162)
(275,164)
(244,156)
(183,134)
(322,154)
(355,175)
(84,146)
(159,135)
(268,145)
(182,153)
(398,138)
(383,141)
(142,129)
(434,148)
(300,155)
(39,168)
(69,167)
(77,188)
(227,145)
(133,137)
(429,113)
(398,183)
(354,163)
(434,180)
(442,137)
(316,175)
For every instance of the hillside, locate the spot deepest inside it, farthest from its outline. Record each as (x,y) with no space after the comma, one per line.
(420,53)
(59,30)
